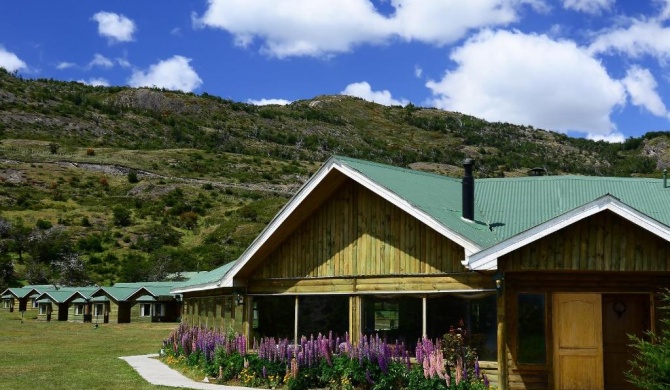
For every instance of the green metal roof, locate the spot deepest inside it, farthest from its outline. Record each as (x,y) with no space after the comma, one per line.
(146,298)
(100,298)
(505,207)
(204,278)
(79,300)
(57,296)
(116,293)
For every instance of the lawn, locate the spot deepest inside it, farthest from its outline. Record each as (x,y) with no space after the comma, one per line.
(64,355)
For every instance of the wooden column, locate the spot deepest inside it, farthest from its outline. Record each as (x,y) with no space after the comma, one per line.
(247,318)
(295,320)
(424,324)
(502,341)
(355,315)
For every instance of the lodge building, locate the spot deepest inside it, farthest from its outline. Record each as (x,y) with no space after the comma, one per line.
(547,274)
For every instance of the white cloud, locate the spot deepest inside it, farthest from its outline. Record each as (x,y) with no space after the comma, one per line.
(96,82)
(65,65)
(642,37)
(124,63)
(530,79)
(174,73)
(612,137)
(101,61)
(364,91)
(265,102)
(418,71)
(116,27)
(10,61)
(593,7)
(321,28)
(641,86)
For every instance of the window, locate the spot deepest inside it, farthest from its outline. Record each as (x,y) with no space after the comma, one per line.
(158,310)
(35,304)
(145,310)
(99,309)
(78,309)
(6,303)
(396,318)
(531,344)
(44,308)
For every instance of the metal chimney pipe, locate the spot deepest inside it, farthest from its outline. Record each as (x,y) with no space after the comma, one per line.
(468,190)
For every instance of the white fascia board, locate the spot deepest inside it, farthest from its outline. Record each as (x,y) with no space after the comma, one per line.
(401,203)
(488,258)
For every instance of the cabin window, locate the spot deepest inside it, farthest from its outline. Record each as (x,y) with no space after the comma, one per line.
(254,318)
(158,310)
(531,340)
(472,315)
(395,318)
(43,307)
(6,303)
(323,314)
(78,309)
(276,316)
(145,310)
(98,309)
(35,304)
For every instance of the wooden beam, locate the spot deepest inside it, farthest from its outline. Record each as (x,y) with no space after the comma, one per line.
(424,325)
(295,320)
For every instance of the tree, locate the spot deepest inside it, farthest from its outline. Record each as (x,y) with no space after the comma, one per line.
(122,216)
(132,176)
(71,271)
(651,363)
(134,268)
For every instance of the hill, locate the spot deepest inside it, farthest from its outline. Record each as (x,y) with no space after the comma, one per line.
(112,184)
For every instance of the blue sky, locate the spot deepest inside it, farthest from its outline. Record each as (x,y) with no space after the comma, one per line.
(589,68)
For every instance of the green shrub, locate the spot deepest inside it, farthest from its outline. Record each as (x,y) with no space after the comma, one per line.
(651,364)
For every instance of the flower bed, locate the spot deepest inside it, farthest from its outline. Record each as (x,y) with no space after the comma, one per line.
(323,362)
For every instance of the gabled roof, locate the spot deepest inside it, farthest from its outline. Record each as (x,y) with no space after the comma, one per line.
(505,209)
(59,296)
(116,293)
(19,292)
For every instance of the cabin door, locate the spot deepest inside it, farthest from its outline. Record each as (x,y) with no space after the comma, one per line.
(578,341)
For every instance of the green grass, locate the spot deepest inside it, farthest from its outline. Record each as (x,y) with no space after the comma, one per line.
(64,355)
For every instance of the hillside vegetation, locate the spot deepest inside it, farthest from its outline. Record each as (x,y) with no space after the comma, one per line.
(108,184)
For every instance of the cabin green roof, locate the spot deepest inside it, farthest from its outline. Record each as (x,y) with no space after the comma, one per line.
(59,296)
(505,207)
(116,293)
(205,278)
(19,292)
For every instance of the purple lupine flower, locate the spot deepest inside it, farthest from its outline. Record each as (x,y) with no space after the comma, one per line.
(476,368)
(368,377)
(486,381)
(265,372)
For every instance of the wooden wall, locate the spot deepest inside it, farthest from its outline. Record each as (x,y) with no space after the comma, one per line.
(357,233)
(214,311)
(602,242)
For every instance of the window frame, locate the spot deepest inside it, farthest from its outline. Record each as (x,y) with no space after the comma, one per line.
(79,309)
(143,307)
(6,303)
(99,309)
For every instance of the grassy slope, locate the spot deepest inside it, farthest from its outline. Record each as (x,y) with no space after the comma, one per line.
(70,356)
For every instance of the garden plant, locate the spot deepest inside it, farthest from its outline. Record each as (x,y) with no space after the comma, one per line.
(323,362)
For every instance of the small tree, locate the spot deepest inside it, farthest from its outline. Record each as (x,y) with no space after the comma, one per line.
(122,216)
(53,148)
(651,363)
(132,176)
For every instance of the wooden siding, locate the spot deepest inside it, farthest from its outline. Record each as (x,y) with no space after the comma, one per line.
(357,233)
(216,312)
(538,376)
(603,242)
(361,285)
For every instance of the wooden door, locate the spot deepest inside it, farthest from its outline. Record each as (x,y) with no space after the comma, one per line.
(578,341)
(623,314)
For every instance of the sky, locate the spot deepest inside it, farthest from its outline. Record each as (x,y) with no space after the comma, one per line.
(597,69)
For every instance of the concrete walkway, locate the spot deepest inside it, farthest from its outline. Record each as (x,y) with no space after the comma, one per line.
(157,373)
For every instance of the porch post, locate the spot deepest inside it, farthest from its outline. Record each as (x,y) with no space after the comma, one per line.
(355,308)
(502,341)
(295,324)
(248,318)
(424,333)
